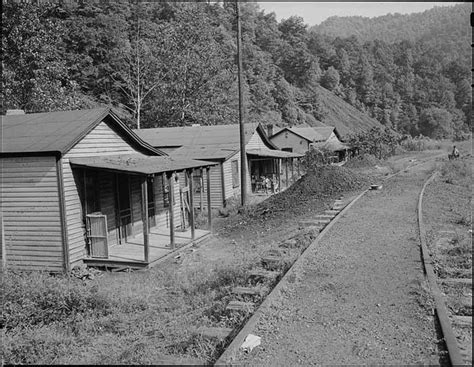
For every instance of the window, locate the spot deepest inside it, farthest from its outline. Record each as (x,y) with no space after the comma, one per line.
(287,149)
(197,181)
(235,173)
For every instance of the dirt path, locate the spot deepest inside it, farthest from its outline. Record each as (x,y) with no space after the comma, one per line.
(360,297)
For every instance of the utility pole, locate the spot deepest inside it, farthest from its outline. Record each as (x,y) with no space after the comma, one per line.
(243,156)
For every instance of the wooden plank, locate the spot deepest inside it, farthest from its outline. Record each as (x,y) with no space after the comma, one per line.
(247,291)
(464,281)
(463,321)
(171,211)
(146,230)
(261,273)
(191,204)
(209,211)
(213,332)
(3,246)
(240,306)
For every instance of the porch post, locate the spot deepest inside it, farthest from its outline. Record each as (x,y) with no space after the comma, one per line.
(209,213)
(298,160)
(171,208)
(146,242)
(292,170)
(286,171)
(191,203)
(279,174)
(201,184)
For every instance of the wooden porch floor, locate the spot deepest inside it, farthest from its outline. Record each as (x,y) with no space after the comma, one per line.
(132,253)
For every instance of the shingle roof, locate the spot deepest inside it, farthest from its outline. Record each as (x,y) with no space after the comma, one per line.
(138,163)
(209,135)
(200,142)
(312,134)
(56,131)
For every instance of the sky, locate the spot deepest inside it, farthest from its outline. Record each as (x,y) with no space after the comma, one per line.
(315,12)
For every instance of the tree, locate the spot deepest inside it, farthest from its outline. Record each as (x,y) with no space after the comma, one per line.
(35,75)
(436,123)
(330,79)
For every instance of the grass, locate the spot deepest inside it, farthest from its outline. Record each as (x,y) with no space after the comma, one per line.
(127,318)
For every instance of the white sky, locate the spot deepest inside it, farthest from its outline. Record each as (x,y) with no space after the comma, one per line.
(316,12)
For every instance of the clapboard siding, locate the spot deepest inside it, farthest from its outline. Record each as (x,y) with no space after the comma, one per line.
(291,140)
(30,206)
(162,212)
(229,189)
(102,140)
(255,142)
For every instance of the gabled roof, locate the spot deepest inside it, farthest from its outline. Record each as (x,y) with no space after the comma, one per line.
(311,134)
(202,142)
(58,132)
(326,131)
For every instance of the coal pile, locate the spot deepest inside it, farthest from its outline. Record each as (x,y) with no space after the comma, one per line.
(321,183)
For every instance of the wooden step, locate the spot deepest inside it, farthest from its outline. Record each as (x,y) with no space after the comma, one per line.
(240,306)
(463,321)
(212,332)
(261,273)
(463,281)
(247,291)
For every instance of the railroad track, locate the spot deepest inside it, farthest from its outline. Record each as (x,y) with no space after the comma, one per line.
(451,323)
(245,295)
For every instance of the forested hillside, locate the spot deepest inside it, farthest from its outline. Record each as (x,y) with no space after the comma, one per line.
(165,64)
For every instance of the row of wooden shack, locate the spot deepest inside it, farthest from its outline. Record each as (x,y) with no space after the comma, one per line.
(81,187)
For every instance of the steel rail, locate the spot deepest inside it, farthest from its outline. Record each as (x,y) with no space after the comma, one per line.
(454,352)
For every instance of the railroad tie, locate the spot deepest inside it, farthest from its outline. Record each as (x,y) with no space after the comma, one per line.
(463,281)
(332,212)
(247,291)
(240,306)
(261,273)
(463,321)
(212,332)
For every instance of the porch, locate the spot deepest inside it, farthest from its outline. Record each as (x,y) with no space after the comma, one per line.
(132,253)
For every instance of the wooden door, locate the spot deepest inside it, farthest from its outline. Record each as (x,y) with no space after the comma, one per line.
(97,235)
(124,207)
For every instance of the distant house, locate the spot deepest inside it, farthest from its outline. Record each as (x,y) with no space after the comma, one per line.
(221,144)
(80,186)
(301,139)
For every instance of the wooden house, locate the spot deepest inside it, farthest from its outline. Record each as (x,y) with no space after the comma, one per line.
(221,144)
(81,187)
(302,138)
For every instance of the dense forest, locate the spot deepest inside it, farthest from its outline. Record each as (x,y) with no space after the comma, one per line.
(174,63)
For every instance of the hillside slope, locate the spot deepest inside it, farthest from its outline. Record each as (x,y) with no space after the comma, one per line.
(398,27)
(340,114)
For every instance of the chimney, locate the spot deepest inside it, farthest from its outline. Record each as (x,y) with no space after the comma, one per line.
(270,130)
(15,112)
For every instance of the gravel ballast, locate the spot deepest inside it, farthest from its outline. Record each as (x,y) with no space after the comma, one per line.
(360,296)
